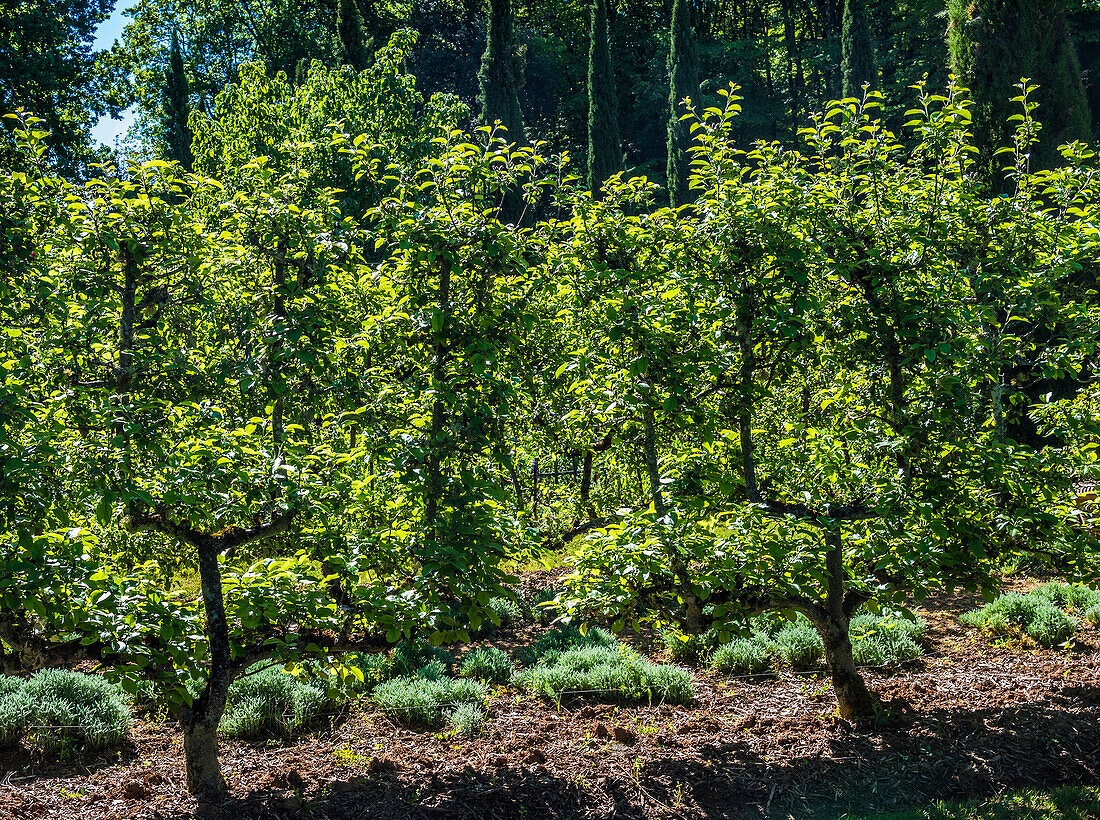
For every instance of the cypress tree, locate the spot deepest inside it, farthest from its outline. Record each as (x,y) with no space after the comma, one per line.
(501,75)
(352,50)
(604,149)
(177,108)
(683,71)
(469,12)
(993,44)
(857,64)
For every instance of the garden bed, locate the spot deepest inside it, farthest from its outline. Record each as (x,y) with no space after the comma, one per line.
(974,717)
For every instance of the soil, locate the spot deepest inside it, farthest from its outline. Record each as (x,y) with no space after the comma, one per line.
(972,718)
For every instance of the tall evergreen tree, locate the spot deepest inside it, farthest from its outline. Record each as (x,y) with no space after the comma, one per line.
(501,75)
(993,44)
(857,64)
(353,50)
(301,72)
(177,108)
(683,72)
(469,11)
(605,155)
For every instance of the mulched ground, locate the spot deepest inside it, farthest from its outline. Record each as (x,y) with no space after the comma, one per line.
(971,719)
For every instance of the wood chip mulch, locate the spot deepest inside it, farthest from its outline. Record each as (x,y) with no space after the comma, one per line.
(971,719)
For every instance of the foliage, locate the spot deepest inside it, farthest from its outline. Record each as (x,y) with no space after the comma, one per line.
(507,610)
(422,702)
(267,702)
(501,75)
(11,719)
(605,156)
(886,638)
(798,645)
(216,40)
(683,72)
(689,649)
(48,67)
(312,370)
(542,605)
(59,710)
(834,394)
(374,666)
(353,49)
(996,42)
(177,109)
(1075,598)
(487,663)
(562,638)
(857,65)
(410,656)
(877,640)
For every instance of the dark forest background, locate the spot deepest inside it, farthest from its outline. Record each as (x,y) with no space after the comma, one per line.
(789,58)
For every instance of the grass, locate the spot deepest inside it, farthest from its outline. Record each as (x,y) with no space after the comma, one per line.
(886,638)
(690,649)
(466,719)
(1065,803)
(798,646)
(742,656)
(409,657)
(542,606)
(57,710)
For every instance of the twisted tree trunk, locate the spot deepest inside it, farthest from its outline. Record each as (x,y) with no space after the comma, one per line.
(855,700)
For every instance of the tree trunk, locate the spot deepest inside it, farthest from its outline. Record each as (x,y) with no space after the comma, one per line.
(652,470)
(852,695)
(584,506)
(124,374)
(434,489)
(200,749)
(746,391)
(204,773)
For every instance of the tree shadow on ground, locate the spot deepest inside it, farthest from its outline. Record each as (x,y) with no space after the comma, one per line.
(911,760)
(18,758)
(460,794)
(941,754)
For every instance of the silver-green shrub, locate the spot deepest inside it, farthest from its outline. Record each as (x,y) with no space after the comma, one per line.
(57,709)
(487,663)
(421,702)
(742,656)
(268,702)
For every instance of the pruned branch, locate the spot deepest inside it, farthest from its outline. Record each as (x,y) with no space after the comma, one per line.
(229,538)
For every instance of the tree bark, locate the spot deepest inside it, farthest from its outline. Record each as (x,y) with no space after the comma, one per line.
(200,721)
(653,472)
(200,739)
(854,699)
(584,506)
(434,489)
(746,392)
(200,750)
